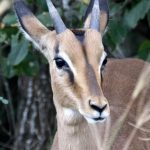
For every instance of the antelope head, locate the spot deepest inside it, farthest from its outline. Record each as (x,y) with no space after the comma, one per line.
(76,59)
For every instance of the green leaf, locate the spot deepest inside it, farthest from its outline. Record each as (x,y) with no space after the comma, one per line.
(7,70)
(114,7)
(28,66)
(19,50)
(4,101)
(9,19)
(116,34)
(144,51)
(138,12)
(3,36)
(45,19)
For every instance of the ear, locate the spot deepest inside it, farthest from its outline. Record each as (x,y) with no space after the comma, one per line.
(32,28)
(104,15)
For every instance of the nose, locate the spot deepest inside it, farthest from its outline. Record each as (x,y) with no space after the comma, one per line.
(100,109)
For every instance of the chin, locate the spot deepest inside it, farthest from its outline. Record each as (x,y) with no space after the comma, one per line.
(94,120)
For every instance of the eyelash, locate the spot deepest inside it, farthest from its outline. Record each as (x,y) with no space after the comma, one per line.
(61,64)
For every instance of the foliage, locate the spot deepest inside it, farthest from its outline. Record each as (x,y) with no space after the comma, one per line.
(128,22)
(4,101)
(128,35)
(125,24)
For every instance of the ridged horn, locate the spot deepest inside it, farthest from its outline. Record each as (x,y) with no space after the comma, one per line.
(95,16)
(57,21)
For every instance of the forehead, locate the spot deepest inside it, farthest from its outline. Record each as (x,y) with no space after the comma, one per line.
(79,45)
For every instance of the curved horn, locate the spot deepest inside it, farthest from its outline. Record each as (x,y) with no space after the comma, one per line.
(58,23)
(95,16)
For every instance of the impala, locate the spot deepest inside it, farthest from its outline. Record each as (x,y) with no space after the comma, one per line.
(90,92)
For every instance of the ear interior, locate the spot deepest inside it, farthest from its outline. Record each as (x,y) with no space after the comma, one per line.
(104,15)
(30,25)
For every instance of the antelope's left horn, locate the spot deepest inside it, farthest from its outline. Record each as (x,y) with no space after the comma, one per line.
(57,21)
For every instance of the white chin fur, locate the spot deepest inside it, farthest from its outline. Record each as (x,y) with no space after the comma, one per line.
(89,118)
(70,113)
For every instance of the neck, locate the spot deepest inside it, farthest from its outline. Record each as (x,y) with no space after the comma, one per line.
(74,128)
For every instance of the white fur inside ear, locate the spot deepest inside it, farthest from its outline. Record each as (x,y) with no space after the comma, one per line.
(35,44)
(28,37)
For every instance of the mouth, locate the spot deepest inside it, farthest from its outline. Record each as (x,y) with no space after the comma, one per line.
(95,120)
(99,119)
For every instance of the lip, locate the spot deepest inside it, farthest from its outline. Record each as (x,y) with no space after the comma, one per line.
(94,120)
(99,119)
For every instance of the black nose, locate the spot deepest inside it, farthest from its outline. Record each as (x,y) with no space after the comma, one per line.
(98,108)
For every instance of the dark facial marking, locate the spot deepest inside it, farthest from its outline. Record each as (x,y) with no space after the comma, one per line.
(71,76)
(56,49)
(103,67)
(62,64)
(79,34)
(92,81)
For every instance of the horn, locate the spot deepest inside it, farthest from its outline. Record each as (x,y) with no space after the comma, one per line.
(95,16)
(57,21)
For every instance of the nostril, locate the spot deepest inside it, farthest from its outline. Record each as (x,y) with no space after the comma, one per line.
(97,108)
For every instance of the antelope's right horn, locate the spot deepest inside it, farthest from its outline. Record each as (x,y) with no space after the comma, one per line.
(95,16)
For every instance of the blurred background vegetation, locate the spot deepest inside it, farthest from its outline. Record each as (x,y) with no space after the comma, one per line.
(26,109)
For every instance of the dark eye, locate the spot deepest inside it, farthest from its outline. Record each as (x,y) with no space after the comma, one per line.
(61,64)
(104,63)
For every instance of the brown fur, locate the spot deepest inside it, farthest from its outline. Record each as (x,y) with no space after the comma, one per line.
(87,85)
(120,79)
(71,99)
(103,21)
(30,22)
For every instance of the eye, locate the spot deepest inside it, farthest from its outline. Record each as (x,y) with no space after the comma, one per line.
(103,60)
(61,64)
(104,63)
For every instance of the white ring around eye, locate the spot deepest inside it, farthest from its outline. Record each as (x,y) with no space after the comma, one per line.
(104,55)
(67,59)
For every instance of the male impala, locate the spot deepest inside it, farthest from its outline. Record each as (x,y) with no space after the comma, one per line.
(80,86)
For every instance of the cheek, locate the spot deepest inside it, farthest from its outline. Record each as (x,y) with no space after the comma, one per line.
(63,89)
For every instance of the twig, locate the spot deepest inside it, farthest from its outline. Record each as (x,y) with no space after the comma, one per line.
(142,129)
(144,139)
(9,108)
(144,116)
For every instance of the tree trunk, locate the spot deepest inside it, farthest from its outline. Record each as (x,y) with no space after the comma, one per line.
(36,115)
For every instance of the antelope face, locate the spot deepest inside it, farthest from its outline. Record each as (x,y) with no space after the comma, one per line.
(76,74)
(75,61)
